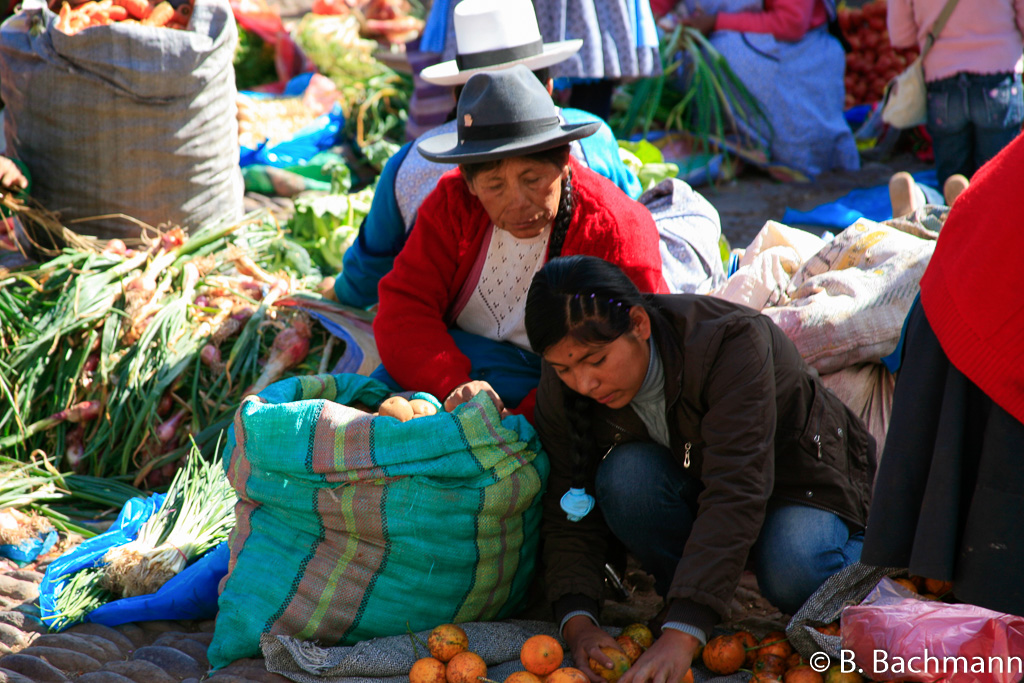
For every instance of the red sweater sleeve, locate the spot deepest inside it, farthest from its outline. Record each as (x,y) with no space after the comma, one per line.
(410,328)
(788,20)
(610,225)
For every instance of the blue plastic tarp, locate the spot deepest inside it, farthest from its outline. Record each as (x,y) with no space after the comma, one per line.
(871,203)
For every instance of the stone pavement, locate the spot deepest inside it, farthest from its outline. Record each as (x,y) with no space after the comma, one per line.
(175,651)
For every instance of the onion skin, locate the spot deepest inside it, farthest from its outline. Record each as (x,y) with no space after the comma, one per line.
(166,430)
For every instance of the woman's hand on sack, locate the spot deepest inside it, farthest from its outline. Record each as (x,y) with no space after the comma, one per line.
(666,661)
(11,176)
(585,640)
(464,392)
(705,23)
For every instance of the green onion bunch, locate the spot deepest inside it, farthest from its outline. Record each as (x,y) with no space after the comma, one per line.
(197,513)
(101,354)
(711,106)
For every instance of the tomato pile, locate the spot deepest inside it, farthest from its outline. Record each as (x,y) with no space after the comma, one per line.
(873,62)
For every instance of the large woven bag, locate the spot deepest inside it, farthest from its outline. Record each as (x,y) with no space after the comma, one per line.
(352,526)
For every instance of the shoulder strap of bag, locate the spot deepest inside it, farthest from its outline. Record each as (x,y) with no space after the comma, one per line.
(937,27)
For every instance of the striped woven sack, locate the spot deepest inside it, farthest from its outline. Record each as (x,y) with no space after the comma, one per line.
(351,526)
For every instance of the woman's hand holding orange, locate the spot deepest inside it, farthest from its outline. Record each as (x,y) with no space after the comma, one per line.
(666,661)
(585,640)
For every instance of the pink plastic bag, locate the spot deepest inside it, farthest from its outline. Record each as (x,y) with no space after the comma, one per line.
(893,635)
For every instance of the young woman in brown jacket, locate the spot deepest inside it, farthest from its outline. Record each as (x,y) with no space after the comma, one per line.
(706,443)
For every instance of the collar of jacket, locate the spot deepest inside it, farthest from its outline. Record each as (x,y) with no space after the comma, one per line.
(670,347)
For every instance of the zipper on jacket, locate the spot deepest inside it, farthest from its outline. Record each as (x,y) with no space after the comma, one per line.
(686,455)
(817,433)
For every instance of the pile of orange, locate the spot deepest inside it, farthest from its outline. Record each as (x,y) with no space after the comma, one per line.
(771,659)
(450,660)
(929,589)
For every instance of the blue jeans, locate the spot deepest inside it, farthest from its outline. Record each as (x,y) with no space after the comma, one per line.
(798,547)
(971,117)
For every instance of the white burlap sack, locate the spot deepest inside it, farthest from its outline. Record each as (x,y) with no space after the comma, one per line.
(768,265)
(124,118)
(689,228)
(848,302)
(867,390)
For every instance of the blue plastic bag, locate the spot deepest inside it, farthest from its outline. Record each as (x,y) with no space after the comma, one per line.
(319,136)
(192,594)
(30,548)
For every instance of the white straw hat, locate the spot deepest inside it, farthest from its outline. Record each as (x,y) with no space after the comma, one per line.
(497,34)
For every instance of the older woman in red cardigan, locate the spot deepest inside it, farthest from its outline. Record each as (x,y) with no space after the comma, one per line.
(451,312)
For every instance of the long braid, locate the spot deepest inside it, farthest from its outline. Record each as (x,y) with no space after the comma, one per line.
(578,408)
(578,413)
(560,226)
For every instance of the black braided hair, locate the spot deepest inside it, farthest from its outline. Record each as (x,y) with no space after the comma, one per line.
(563,217)
(589,300)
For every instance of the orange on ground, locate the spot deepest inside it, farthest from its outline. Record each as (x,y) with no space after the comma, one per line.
(446,641)
(687,677)
(908,584)
(724,655)
(775,643)
(802,673)
(465,667)
(630,647)
(918,581)
(770,664)
(541,655)
(829,629)
(427,670)
(749,645)
(640,634)
(620,664)
(567,674)
(937,587)
(764,677)
(522,677)
(794,660)
(835,674)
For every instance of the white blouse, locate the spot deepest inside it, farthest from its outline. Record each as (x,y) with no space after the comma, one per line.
(497,307)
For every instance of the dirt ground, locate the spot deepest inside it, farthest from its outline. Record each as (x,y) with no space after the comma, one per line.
(753,198)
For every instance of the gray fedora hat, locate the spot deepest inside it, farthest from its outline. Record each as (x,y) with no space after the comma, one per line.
(503,114)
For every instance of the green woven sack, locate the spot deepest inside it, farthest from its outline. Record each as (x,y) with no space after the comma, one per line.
(351,526)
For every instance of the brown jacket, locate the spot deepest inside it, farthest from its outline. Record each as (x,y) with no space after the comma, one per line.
(747,416)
